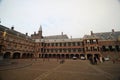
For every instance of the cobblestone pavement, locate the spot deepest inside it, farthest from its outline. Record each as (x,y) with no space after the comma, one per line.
(70,70)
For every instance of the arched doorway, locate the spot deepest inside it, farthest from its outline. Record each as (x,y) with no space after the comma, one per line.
(89,56)
(82,55)
(28,55)
(117,48)
(67,56)
(40,55)
(97,56)
(62,56)
(24,55)
(50,55)
(16,55)
(54,55)
(58,55)
(31,55)
(103,48)
(43,55)
(71,55)
(7,55)
(77,55)
(46,55)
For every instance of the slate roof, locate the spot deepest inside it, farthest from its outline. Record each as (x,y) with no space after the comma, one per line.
(56,37)
(90,37)
(108,35)
(104,36)
(13,32)
(59,40)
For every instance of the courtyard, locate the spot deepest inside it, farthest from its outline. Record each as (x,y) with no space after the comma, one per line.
(51,69)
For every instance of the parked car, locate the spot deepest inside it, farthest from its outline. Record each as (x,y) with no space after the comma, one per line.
(74,58)
(82,58)
(106,58)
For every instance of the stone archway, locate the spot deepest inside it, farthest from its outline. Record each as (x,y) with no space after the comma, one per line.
(58,55)
(28,55)
(16,55)
(103,48)
(49,55)
(82,55)
(31,55)
(24,55)
(62,55)
(89,56)
(77,55)
(7,55)
(40,55)
(117,48)
(67,56)
(97,56)
(71,55)
(54,55)
(46,55)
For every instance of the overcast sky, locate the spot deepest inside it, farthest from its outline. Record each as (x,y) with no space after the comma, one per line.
(72,17)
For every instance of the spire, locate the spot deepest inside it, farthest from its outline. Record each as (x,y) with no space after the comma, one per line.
(40,29)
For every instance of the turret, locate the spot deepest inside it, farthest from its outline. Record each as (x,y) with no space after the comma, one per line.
(40,32)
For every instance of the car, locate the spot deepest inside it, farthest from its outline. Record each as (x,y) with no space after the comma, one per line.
(106,58)
(74,58)
(82,58)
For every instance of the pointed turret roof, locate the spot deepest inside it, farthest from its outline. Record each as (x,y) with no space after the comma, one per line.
(40,29)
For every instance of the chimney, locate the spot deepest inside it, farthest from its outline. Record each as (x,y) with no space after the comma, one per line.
(26,34)
(34,33)
(61,33)
(91,32)
(113,30)
(12,28)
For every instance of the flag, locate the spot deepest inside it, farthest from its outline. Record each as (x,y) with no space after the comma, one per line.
(4,33)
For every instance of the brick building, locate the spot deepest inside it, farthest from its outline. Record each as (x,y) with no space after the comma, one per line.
(17,45)
(14,44)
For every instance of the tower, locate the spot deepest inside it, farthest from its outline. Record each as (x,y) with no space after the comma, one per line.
(40,32)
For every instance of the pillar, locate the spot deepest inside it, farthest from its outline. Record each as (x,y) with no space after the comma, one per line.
(86,56)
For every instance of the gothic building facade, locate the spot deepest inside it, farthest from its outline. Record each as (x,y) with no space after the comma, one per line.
(14,44)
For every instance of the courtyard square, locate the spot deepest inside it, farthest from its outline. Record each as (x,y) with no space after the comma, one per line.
(51,69)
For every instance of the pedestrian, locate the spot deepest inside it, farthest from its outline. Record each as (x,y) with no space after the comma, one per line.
(91,60)
(95,60)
